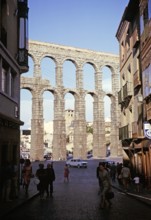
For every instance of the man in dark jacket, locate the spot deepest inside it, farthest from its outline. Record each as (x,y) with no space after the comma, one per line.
(50,178)
(42,176)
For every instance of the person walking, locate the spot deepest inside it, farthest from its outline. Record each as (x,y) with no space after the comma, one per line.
(136,180)
(98,177)
(43,185)
(15,188)
(7,181)
(126,176)
(106,186)
(118,173)
(66,173)
(50,178)
(27,173)
(113,171)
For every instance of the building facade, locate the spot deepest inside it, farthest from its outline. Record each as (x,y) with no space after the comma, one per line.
(134,36)
(13,62)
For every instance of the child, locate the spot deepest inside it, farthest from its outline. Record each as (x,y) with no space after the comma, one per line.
(66,173)
(137,183)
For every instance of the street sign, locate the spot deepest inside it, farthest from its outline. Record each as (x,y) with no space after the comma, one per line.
(147,130)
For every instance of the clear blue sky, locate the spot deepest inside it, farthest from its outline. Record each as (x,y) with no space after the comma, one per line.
(88,24)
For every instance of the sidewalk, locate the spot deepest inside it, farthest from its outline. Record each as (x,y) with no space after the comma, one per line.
(144,195)
(6,207)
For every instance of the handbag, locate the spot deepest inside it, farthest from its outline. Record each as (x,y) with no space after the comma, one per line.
(36,181)
(110,195)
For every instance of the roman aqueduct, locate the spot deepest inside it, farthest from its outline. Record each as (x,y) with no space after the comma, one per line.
(36,85)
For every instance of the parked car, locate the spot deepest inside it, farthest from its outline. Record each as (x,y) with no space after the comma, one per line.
(24,155)
(77,163)
(47,156)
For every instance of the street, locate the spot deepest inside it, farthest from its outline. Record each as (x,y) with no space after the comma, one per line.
(79,200)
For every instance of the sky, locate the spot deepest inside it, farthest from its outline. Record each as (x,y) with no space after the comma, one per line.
(86,24)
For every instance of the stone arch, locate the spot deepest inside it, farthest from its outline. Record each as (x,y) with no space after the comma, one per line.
(69,66)
(71,60)
(89,66)
(79,57)
(48,66)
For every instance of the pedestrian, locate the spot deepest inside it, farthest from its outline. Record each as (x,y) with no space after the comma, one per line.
(27,174)
(113,171)
(7,175)
(66,173)
(50,178)
(106,186)
(98,177)
(118,173)
(43,185)
(126,176)
(15,182)
(136,180)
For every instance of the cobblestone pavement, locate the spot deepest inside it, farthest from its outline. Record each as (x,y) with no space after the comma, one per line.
(77,200)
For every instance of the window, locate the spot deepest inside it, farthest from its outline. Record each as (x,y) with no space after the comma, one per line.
(135,64)
(129,68)
(23,33)
(141,24)
(145,16)
(149,71)
(122,51)
(11,84)
(128,40)
(4,80)
(146,80)
(16,112)
(149,9)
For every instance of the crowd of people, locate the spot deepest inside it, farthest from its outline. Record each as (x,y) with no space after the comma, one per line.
(46,178)
(108,173)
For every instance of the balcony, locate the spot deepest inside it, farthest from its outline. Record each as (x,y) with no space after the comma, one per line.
(137,131)
(136,79)
(134,129)
(148,109)
(127,90)
(145,34)
(125,132)
(120,96)
(135,38)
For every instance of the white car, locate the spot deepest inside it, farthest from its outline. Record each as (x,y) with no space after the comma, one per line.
(76,163)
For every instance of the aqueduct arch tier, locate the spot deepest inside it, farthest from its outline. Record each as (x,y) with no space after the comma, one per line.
(39,50)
